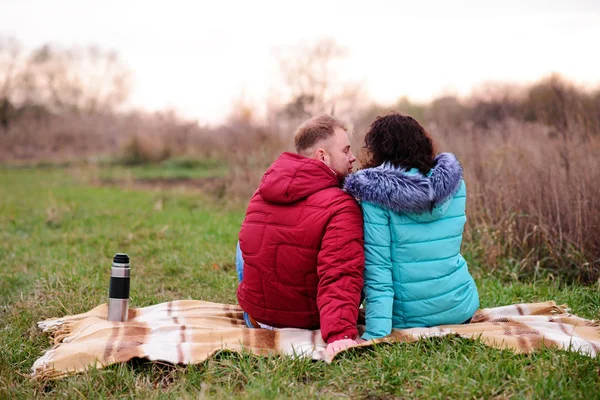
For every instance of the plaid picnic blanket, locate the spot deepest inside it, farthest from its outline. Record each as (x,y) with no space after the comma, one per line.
(189,331)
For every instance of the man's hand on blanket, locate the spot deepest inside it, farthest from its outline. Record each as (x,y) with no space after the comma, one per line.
(339,345)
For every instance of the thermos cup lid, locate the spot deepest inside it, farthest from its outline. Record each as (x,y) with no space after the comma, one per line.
(121,258)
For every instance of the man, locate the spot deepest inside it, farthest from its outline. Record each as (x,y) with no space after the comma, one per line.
(302,239)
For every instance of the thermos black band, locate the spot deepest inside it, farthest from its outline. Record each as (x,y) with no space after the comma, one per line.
(119,288)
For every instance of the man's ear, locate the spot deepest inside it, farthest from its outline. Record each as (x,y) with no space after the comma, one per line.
(320,155)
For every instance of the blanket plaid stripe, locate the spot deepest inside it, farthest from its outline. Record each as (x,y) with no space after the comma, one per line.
(190,331)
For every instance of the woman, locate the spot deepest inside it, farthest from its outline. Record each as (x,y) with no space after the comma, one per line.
(414,215)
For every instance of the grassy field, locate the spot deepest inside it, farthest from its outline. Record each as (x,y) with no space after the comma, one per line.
(58,234)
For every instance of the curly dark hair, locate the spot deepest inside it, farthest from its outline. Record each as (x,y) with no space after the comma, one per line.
(400,140)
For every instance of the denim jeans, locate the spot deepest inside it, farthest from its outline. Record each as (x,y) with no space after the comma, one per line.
(239,262)
(239,266)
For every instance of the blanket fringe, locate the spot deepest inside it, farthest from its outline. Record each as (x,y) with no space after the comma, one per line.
(594,324)
(57,329)
(61,333)
(50,325)
(563,309)
(42,367)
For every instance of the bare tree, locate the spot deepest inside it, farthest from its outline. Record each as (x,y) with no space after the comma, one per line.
(10,58)
(311,76)
(83,80)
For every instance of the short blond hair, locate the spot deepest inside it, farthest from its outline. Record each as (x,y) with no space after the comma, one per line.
(318,128)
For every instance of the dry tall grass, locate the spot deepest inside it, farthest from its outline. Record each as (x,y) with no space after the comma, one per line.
(533,198)
(249,150)
(134,138)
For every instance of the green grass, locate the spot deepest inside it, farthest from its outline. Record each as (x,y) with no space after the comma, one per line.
(57,238)
(173,168)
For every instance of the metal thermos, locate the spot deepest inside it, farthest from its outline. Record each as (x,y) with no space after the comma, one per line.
(118,294)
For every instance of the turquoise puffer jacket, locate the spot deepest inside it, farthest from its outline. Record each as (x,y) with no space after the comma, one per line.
(413,225)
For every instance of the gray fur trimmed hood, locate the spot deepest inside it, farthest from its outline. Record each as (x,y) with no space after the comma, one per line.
(396,189)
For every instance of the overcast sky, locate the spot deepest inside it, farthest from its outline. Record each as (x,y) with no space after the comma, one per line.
(196,56)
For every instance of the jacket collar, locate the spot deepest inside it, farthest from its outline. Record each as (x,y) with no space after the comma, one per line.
(407,191)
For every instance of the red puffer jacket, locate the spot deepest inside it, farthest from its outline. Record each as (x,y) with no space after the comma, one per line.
(302,243)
